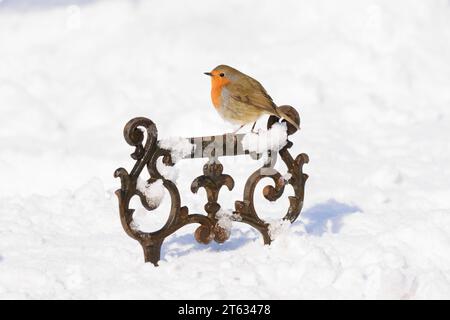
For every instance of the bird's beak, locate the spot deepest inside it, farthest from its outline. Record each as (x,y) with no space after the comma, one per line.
(208,73)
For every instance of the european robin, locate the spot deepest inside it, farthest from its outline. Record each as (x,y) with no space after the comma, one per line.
(240,99)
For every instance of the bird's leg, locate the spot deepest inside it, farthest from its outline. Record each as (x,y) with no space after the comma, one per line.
(235,131)
(253,127)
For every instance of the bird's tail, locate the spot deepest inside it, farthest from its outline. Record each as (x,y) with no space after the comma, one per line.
(283,115)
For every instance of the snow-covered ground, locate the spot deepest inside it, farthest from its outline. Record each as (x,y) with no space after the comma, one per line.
(371,80)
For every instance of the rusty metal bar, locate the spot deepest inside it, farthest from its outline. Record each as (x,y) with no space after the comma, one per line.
(146,156)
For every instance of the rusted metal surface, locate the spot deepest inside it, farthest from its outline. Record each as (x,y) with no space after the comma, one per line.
(147,153)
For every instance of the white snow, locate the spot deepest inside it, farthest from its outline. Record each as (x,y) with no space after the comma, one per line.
(287,176)
(370,80)
(278,227)
(260,142)
(179,147)
(168,172)
(153,192)
(225,219)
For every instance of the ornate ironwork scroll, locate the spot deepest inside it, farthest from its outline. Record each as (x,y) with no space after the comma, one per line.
(147,152)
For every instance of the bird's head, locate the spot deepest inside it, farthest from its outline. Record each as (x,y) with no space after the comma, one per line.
(223,75)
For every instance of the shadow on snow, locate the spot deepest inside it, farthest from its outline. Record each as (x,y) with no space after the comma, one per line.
(319,219)
(326,217)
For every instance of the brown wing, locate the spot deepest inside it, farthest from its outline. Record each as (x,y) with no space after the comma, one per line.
(250,91)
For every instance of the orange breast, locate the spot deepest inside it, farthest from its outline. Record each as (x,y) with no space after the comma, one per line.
(217,84)
(215,96)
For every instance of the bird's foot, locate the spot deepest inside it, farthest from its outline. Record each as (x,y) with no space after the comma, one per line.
(235,131)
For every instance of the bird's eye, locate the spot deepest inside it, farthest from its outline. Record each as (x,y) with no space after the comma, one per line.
(222,74)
